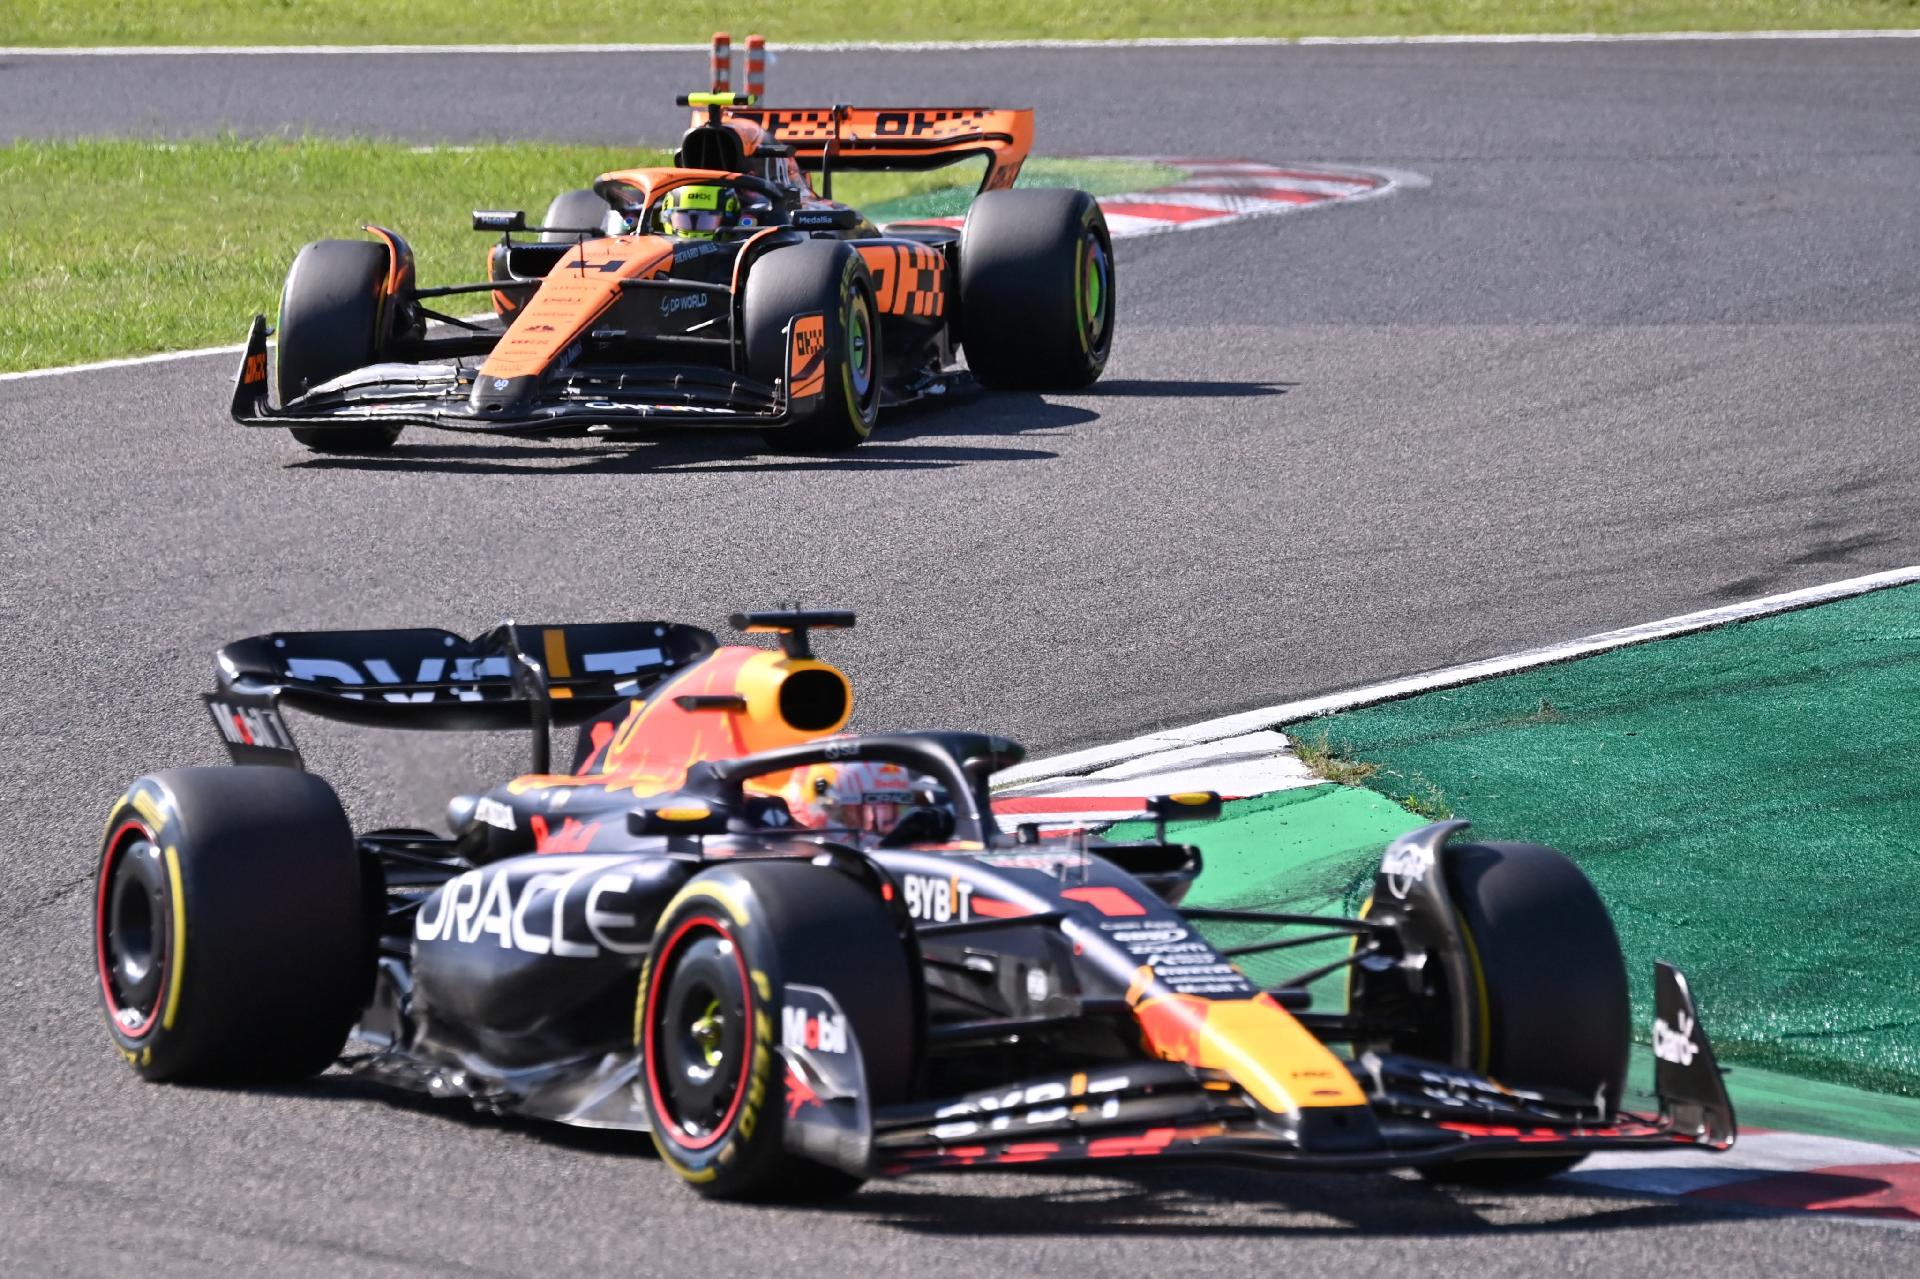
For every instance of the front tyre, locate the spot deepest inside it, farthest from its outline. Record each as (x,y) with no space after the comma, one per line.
(1551,984)
(1036,289)
(230,937)
(329,325)
(828,278)
(712,1004)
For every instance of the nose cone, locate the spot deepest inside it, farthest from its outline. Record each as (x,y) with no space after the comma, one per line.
(503,397)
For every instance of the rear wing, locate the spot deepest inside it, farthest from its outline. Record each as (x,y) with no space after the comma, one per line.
(512,677)
(846,138)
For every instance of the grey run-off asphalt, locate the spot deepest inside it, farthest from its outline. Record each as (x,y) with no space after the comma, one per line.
(1646,344)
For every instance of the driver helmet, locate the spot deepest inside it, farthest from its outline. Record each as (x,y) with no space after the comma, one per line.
(864,796)
(697,212)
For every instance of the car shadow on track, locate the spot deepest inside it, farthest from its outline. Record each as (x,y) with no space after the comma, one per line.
(1143,1202)
(1177,1202)
(1177,389)
(907,439)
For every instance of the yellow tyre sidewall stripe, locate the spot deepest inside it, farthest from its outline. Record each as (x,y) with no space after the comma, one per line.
(736,909)
(177,958)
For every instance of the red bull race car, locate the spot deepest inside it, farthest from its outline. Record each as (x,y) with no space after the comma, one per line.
(802,959)
(723,291)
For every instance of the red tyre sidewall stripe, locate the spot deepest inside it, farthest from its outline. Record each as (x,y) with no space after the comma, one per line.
(678,1138)
(117,844)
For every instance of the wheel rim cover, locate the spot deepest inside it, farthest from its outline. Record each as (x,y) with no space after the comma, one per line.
(133,946)
(859,348)
(697,1042)
(1096,289)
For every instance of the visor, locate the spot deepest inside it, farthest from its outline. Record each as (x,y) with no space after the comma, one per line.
(695,219)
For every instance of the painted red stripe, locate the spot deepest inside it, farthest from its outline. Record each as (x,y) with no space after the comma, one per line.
(1252,191)
(1164,212)
(1308,175)
(1106,899)
(1868,1190)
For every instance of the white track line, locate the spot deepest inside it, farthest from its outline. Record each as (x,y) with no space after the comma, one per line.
(161,358)
(1252,764)
(1099,757)
(942,46)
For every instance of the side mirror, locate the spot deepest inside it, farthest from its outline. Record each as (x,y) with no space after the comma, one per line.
(501,220)
(1184,806)
(1187,806)
(677,817)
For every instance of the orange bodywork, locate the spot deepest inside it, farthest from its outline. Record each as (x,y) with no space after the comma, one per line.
(908,279)
(659,740)
(574,294)
(587,280)
(873,137)
(1256,1042)
(808,356)
(651,184)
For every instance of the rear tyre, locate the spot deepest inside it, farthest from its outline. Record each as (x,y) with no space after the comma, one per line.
(711,1006)
(827,277)
(1556,1012)
(231,938)
(329,325)
(1036,289)
(577,211)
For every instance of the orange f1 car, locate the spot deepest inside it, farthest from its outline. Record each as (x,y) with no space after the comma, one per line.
(801,959)
(723,291)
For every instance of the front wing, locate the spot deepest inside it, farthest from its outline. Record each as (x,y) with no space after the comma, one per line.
(591,400)
(1417,1114)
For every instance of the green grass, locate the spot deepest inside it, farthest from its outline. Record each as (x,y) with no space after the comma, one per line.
(889,197)
(1318,754)
(1743,799)
(123,248)
(117,248)
(59,22)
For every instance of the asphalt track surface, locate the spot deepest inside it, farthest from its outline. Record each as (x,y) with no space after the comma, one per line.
(1645,345)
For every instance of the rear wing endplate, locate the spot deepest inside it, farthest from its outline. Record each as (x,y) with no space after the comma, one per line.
(514,676)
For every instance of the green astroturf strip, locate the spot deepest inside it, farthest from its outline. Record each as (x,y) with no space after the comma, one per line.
(133,22)
(1794,1103)
(1313,851)
(1747,800)
(1307,851)
(220,220)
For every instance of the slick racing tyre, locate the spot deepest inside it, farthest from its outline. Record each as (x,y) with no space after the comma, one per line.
(1036,289)
(231,938)
(1551,985)
(575,212)
(827,278)
(329,325)
(714,1004)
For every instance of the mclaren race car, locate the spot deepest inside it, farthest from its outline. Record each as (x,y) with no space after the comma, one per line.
(721,292)
(801,959)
